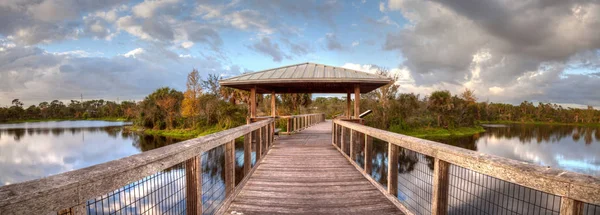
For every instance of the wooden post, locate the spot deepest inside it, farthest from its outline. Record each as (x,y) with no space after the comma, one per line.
(333,134)
(392,169)
(439,201)
(570,206)
(348,102)
(368,158)
(342,145)
(352,151)
(273,108)
(258,140)
(247,153)
(193,190)
(229,167)
(289,124)
(253,102)
(356,101)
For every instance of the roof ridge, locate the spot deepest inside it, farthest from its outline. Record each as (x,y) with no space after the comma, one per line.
(307,63)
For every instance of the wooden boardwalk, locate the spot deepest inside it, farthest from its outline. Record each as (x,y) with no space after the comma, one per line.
(304,174)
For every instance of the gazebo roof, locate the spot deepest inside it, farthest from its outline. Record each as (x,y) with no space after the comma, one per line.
(307,78)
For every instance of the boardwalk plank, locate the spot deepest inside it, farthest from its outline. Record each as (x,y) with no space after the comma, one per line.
(304,174)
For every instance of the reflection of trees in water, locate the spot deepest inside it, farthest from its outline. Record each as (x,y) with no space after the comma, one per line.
(149,142)
(19,133)
(379,161)
(527,133)
(406,160)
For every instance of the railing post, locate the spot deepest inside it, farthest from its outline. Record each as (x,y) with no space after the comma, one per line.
(289,124)
(247,153)
(439,202)
(229,167)
(368,149)
(333,133)
(352,145)
(258,140)
(392,169)
(343,139)
(193,190)
(570,206)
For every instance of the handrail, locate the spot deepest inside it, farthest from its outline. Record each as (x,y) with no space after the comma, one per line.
(574,188)
(65,190)
(295,123)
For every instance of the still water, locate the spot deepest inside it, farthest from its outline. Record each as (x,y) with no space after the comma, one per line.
(572,148)
(34,150)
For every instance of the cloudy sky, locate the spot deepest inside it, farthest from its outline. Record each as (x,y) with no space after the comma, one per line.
(507,51)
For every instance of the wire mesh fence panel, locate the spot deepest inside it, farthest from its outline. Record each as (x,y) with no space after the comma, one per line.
(239,160)
(415,181)
(346,141)
(359,148)
(379,160)
(213,179)
(254,146)
(590,209)
(160,193)
(475,193)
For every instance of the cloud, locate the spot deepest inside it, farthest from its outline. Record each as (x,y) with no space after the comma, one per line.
(33,22)
(382,6)
(266,47)
(149,8)
(491,46)
(355,43)
(32,74)
(134,52)
(332,42)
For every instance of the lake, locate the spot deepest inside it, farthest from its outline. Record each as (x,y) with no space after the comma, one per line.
(34,150)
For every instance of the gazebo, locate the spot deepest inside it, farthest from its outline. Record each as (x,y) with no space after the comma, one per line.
(307,78)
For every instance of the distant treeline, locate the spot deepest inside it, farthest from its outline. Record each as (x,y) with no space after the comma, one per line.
(205,103)
(396,111)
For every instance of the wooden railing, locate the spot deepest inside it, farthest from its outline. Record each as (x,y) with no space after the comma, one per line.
(198,176)
(435,178)
(297,123)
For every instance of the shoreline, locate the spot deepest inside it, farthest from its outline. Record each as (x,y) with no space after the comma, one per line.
(176,133)
(430,132)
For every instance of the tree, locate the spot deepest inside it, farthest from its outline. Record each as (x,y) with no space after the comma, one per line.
(386,93)
(190,107)
(440,103)
(211,84)
(469,96)
(17,103)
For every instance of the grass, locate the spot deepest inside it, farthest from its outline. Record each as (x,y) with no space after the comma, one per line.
(111,119)
(428,132)
(182,133)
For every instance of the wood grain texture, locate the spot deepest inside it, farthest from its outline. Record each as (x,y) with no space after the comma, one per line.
(305,174)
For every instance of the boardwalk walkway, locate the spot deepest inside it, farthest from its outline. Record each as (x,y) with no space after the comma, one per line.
(304,174)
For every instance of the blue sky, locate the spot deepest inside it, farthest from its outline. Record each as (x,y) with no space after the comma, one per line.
(536,50)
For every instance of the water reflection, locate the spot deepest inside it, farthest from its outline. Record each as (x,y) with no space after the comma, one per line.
(572,148)
(35,150)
